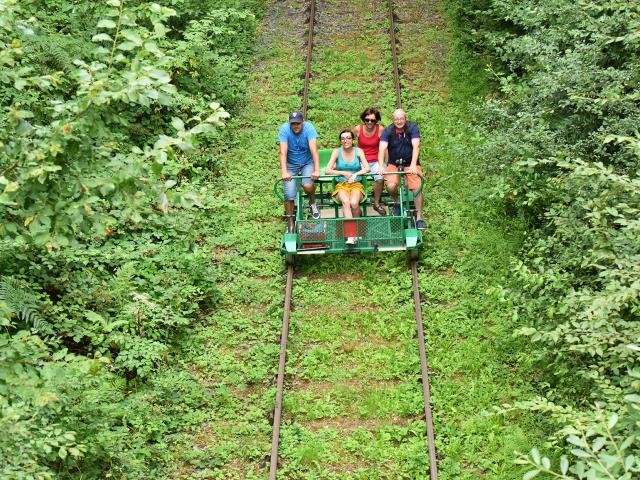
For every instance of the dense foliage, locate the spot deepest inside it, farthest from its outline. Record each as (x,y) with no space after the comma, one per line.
(562,140)
(106,108)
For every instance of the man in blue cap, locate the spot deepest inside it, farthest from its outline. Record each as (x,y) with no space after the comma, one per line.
(299,156)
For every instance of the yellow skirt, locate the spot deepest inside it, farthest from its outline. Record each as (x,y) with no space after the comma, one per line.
(349,188)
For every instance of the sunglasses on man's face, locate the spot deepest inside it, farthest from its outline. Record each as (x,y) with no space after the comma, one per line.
(370,120)
(345,138)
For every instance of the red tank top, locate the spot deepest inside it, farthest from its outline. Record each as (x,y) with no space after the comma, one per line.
(369,145)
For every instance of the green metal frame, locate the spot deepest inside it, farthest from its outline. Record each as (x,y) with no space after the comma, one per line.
(328,235)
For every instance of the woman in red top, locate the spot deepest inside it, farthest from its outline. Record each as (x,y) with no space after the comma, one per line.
(368,135)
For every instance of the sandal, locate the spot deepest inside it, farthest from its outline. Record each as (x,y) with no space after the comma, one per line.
(381,211)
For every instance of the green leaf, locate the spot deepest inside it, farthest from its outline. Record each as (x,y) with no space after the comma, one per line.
(612,421)
(598,443)
(11,187)
(152,47)
(75,452)
(576,441)
(580,453)
(106,23)
(629,461)
(59,355)
(535,455)
(564,464)
(94,317)
(530,474)
(126,46)
(177,123)
(132,36)
(106,188)
(101,37)
(24,127)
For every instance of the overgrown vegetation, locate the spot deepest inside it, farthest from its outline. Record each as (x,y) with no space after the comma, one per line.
(353,402)
(561,139)
(112,129)
(106,109)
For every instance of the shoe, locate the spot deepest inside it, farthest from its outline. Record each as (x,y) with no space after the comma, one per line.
(395,211)
(421,224)
(381,211)
(351,241)
(314,211)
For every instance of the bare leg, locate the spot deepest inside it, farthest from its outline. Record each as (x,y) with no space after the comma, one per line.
(346,205)
(377,191)
(417,200)
(289,208)
(311,192)
(392,188)
(355,203)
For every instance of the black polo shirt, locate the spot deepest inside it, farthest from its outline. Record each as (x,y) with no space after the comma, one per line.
(400,146)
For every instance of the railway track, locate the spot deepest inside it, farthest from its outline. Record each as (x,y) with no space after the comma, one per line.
(277,416)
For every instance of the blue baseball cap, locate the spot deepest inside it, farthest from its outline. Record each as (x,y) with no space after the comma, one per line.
(295,117)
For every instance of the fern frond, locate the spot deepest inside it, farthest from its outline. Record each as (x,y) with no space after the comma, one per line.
(54,51)
(21,301)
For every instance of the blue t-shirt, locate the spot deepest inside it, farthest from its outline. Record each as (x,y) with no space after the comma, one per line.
(400,146)
(298,152)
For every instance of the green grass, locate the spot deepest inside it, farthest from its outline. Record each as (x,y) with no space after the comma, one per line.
(353,399)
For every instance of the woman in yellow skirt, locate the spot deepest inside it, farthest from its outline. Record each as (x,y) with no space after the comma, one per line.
(349,163)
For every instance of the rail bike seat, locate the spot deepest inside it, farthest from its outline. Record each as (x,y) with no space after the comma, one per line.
(325,156)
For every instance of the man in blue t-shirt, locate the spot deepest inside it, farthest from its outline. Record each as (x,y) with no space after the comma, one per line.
(401,140)
(299,156)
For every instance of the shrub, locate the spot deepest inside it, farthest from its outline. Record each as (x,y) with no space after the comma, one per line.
(562,140)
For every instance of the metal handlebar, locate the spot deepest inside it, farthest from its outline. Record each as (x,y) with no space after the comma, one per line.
(280,180)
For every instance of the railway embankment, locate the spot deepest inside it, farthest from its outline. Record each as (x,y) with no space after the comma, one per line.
(353,400)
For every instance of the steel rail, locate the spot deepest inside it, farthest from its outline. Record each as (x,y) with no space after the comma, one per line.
(277,412)
(424,369)
(307,72)
(394,55)
(426,392)
(277,416)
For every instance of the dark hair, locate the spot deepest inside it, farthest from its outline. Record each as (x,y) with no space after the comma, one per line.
(369,111)
(346,130)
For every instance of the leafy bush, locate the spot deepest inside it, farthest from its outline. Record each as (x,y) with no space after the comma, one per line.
(562,139)
(102,260)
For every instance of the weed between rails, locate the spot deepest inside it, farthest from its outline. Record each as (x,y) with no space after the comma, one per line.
(353,404)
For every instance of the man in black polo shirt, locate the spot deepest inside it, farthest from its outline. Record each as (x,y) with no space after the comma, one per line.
(402,142)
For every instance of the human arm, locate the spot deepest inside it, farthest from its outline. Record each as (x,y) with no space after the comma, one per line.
(413,168)
(364,167)
(315,156)
(286,175)
(363,163)
(382,155)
